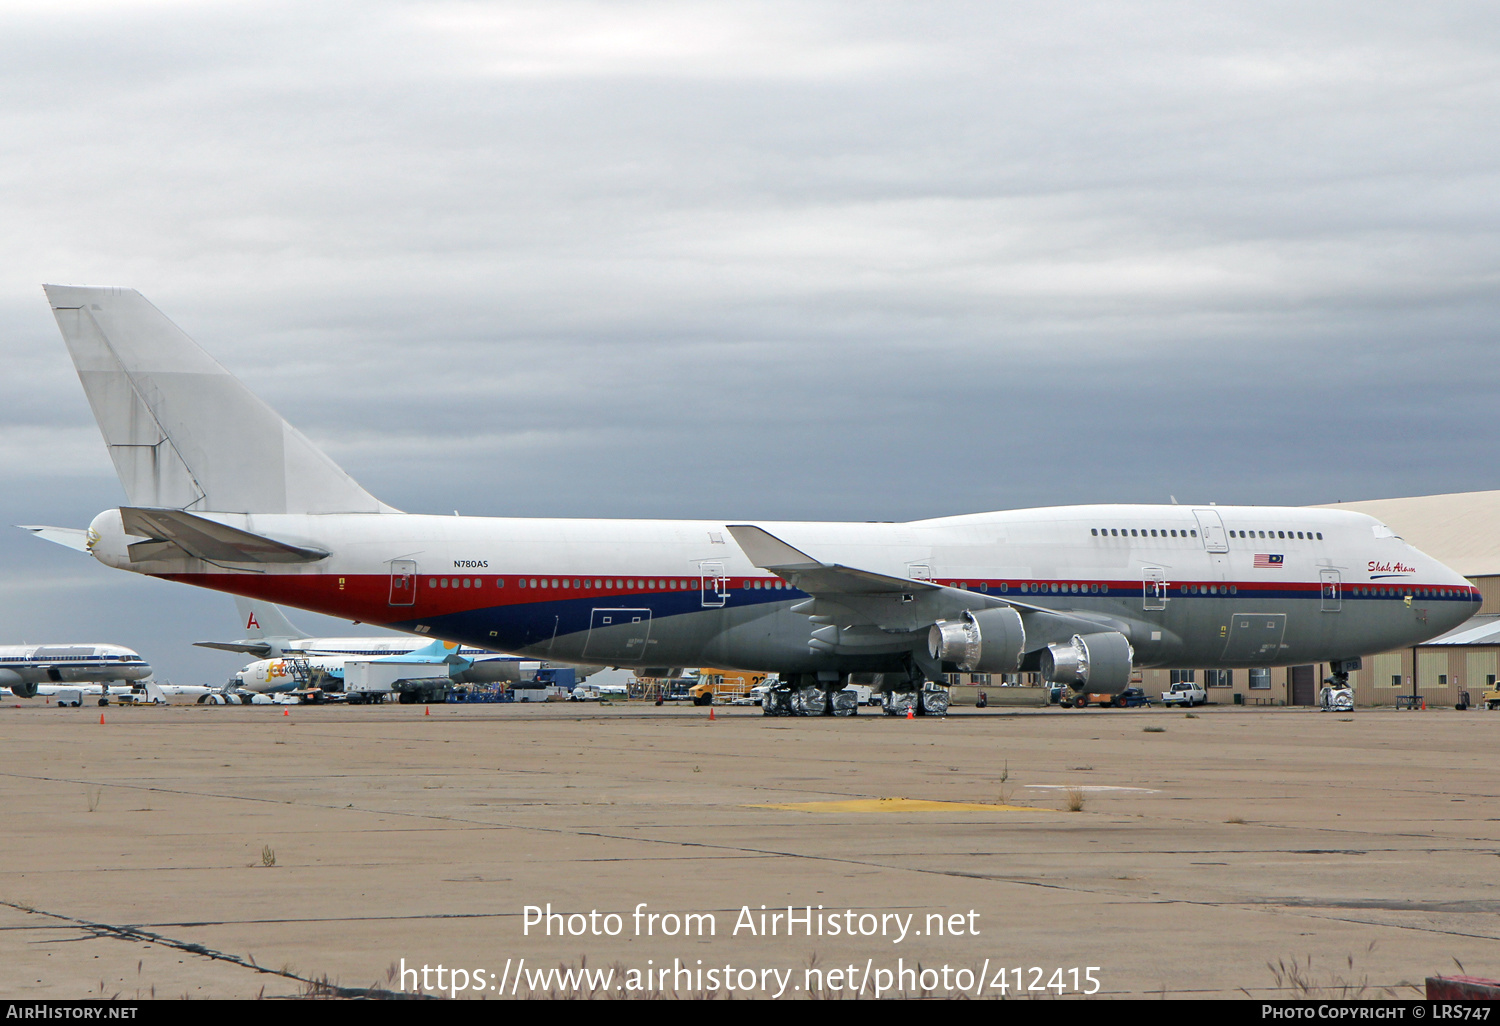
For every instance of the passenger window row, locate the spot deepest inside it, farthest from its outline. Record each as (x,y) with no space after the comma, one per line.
(1132,532)
(1401,591)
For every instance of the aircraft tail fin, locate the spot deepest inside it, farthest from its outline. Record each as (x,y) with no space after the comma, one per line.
(183,432)
(438,652)
(265,620)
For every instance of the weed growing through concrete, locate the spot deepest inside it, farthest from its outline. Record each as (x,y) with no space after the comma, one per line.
(267,856)
(1076,798)
(93,796)
(1300,978)
(1237,820)
(1007,793)
(1155,730)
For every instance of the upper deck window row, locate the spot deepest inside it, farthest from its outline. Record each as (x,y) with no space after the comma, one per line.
(1131,532)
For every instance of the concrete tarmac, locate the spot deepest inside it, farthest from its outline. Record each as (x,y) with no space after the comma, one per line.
(234,852)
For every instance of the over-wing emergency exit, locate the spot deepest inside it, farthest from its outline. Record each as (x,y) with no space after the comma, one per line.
(224,494)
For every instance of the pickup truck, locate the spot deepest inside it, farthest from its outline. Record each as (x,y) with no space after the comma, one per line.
(1184,694)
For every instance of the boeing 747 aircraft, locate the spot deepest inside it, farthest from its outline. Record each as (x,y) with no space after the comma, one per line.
(224,494)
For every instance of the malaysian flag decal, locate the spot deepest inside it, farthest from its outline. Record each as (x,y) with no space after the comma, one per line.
(1269,560)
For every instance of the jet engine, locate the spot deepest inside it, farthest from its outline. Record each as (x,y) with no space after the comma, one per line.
(1098,663)
(11,679)
(984,641)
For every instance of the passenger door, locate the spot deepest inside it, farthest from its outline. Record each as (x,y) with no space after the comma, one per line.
(1153,588)
(715,586)
(1332,587)
(403,582)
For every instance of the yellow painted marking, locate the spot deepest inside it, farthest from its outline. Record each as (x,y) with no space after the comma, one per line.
(895,805)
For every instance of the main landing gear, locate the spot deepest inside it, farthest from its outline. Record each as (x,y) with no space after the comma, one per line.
(811,694)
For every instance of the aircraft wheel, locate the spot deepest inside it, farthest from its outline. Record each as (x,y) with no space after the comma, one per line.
(845,703)
(103,701)
(934,703)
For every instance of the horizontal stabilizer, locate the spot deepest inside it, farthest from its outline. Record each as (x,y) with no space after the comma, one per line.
(259,649)
(173,533)
(72,537)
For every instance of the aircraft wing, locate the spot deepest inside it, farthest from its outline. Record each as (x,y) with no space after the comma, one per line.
(173,533)
(850,597)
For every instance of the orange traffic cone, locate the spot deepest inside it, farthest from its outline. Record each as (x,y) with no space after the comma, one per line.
(427,710)
(286,712)
(911,712)
(101,717)
(710,712)
(1424,703)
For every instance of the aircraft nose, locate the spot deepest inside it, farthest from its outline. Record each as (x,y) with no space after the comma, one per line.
(1463,602)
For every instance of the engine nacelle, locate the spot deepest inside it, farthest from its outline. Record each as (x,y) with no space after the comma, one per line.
(984,641)
(18,687)
(1097,663)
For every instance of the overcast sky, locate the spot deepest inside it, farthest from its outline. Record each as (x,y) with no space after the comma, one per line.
(867,261)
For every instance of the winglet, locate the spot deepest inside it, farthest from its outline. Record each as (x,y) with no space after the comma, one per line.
(768,552)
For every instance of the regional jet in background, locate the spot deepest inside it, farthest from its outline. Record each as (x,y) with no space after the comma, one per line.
(289,654)
(27,671)
(224,494)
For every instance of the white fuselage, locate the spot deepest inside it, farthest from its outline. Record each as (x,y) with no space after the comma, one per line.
(649,593)
(327,657)
(31,670)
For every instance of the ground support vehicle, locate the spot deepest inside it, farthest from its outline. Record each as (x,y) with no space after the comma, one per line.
(414,683)
(726,686)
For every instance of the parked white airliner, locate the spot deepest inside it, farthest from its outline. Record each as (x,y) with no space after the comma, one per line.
(225,494)
(288,651)
(31,670)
